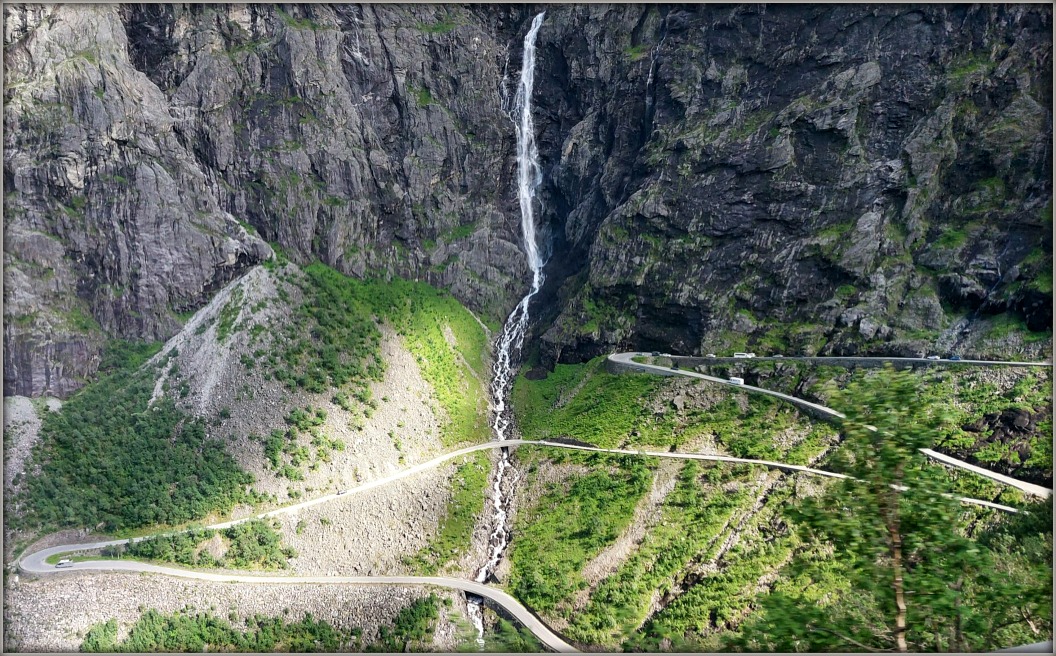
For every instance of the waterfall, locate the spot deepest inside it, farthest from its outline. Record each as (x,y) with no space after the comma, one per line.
(529,176)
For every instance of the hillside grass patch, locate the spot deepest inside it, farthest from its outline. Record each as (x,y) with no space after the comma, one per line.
(582,401)
(456,527)
(250,545)
(194,631)
(565,528)
(334,343)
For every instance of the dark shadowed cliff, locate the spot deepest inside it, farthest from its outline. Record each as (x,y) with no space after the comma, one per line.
(810,178)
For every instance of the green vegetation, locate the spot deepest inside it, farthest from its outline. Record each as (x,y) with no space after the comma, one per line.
(443,26)
(975,397)
(568,527)
(603,411)
(699,516)
(846,291)
(458,232)
(720,598)
(283,449)
(334,342)
(412,629)
(77,558)
(967,67)
(456,528)
(724,536)
(123,356)
(913,580)
(952,238)
(637,52)
(1003,325)
(596,313)
(752,122)
(696,522)
(299,23)
(505,637)
(422,96)
(82,321)
(110,460)
(228,315)
(615,410)
(249,545)
(189,631)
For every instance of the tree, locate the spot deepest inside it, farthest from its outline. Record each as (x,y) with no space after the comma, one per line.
(911,579)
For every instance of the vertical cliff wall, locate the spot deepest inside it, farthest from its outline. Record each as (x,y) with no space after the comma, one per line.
(833,178)
(152,150)
(836,179)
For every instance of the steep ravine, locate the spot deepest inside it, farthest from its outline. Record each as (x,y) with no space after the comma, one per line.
(819,179)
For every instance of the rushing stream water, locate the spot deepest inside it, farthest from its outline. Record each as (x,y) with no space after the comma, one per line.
(512,338)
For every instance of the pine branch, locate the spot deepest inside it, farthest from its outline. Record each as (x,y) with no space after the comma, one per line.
(850,640)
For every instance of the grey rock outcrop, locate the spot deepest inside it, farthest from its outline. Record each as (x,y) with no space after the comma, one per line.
(110,225)
(151,151)
(712,174)
(756,172)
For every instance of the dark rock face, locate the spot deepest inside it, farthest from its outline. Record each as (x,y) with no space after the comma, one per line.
(148,146)
(815,178)
(110,224)
(1012,430)
(833,179)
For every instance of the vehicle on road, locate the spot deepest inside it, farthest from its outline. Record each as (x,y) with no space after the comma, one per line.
(711,355)
(343,492)
(656,354)
(934,357)
(744,355)
(955,358)
(736,380)
(674,365)
(65,562)
(778,356)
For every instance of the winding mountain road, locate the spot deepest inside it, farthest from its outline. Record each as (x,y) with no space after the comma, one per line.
(864,361)
(627,360)
(36,562)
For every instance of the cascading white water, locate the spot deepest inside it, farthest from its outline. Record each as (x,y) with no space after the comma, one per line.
(529,176)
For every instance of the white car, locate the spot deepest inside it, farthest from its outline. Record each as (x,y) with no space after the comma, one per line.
(710,355)
(744,355)
(778,356)
(65,562)
(736,380)
(934,357)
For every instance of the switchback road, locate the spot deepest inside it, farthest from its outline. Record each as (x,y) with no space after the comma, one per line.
(36,562)
(863,361)
(626,360)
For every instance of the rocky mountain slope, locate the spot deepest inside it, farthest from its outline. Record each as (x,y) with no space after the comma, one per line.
(861,178)
(825,178)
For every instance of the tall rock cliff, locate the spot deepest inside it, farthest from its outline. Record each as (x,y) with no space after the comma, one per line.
(814,178)
(148,146)
(830,178)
